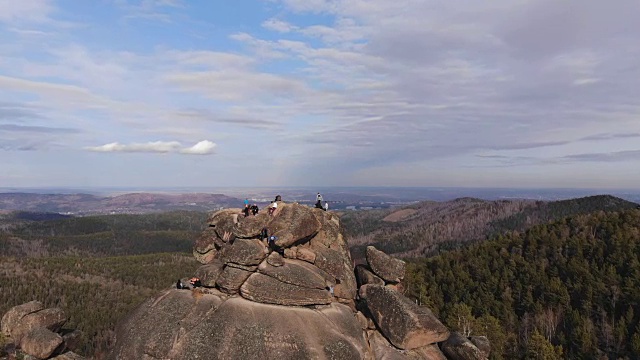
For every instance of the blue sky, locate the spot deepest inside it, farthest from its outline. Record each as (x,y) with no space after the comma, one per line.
(159,93)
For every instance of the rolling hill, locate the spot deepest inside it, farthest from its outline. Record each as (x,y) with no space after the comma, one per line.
(427,227)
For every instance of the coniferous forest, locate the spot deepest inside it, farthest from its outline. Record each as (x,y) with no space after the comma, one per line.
(570,289)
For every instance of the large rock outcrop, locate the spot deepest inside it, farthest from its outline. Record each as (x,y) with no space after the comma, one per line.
(295,297)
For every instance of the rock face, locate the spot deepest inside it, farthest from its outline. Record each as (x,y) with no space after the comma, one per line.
(294,297)
(177,325)
(32,331)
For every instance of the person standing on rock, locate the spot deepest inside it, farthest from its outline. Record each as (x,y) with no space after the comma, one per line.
(319,197)
(273,207)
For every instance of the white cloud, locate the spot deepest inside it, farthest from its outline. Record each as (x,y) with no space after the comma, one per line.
(204,147)
(278,25)
(151,147)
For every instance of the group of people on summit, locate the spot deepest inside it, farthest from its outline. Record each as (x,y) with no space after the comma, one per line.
(253,208)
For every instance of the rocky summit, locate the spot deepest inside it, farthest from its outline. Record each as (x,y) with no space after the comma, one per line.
(292,294)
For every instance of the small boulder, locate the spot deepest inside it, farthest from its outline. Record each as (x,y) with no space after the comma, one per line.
(293,223)
(458,347)
(306,254)
(69,355)
(290,253)
(243,252)
(482,343)
(275,259)
(385,266)
(40,342)
(429,352)
(12,317)
(362,320)
(250,226)
(405,324)
(382,349)
(364,276)
(231,279)
(52,319)
(208,274)
(265,289)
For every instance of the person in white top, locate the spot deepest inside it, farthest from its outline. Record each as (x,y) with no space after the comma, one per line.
(273,207)
(326,206)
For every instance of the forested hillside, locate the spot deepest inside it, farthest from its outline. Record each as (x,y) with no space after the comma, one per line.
(425,228)
(570,288)
(105,235)
(85,264)
(94,292)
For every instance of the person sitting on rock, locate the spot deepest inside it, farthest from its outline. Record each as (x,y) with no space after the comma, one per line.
(273,207)
(254,209)
(278,198)
(195,282)
(272,242)
(326,206)
(319,205)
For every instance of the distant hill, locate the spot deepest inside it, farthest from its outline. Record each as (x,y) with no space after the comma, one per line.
(426,227)
(572,286)
(135,203)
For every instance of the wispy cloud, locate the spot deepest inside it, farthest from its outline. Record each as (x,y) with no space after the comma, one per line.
(25,10)
(609,136)
(278,25)
(204,147)
(626,155)
(37,129)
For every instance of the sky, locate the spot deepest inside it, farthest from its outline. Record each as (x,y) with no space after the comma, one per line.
(164,93)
